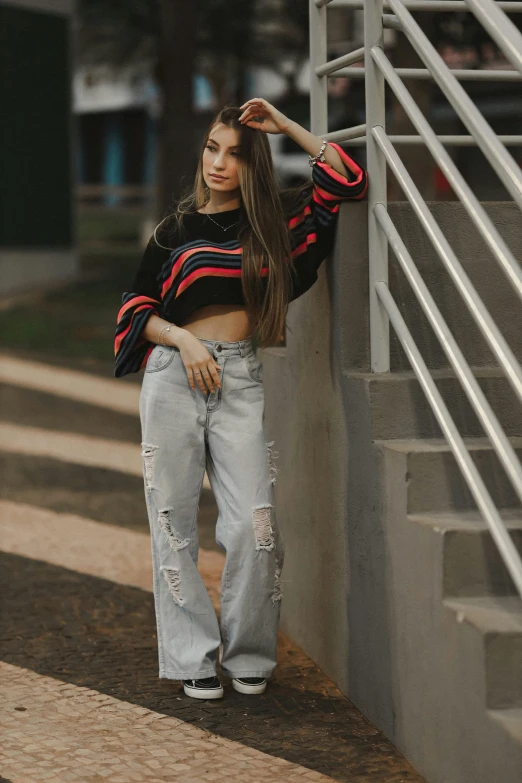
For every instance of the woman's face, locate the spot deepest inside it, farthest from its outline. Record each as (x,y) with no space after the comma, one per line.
(220,158)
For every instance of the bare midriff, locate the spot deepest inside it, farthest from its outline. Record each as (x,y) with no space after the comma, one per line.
(219,322)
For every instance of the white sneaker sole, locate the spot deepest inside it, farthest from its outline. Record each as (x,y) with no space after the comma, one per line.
(243,688)
(204,693)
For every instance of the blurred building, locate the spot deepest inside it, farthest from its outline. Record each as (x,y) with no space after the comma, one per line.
(116,112)
(37,223)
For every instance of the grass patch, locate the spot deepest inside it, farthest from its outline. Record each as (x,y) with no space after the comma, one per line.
(108,226)
(76,321)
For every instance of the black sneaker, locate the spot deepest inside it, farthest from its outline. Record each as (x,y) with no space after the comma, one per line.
(207,688)
(249,684)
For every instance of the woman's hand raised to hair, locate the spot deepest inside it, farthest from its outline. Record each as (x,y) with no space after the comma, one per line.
(261,115)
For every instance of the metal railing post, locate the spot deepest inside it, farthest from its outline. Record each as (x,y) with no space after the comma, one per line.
(382,232)
(377,189)
(318,56)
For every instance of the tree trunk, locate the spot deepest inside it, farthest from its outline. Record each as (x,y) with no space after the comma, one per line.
(177,154)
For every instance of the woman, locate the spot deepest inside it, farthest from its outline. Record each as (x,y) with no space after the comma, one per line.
(224,266)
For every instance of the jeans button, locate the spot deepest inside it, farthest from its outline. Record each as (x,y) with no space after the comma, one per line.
(219,347)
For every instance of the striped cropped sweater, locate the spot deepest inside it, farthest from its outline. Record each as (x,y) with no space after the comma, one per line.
(178,275)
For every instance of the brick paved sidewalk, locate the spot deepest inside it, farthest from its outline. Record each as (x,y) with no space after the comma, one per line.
(80,637)
(74,734)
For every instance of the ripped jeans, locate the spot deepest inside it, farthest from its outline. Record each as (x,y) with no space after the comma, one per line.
(184,433)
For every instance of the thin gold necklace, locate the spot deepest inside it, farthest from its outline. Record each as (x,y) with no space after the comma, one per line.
(219,224)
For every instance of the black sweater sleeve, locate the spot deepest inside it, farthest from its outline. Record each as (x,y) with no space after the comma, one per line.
(143,299)
(313,226)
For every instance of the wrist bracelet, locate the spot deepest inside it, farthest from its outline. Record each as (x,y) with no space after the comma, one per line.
(165,329)
(319,156)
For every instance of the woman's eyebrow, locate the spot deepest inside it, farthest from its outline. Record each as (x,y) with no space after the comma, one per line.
(234,147)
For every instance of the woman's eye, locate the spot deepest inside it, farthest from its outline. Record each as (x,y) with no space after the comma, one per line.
(213,149)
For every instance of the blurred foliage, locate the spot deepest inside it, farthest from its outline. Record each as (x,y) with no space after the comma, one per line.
(462,29)
(75,324)
(116,33)
(107,226)
(232,35)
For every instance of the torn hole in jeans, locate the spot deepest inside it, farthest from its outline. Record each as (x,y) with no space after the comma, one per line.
(277,594)
(173,537)
(262,519)
(272,454)
(173,580)
(147,452)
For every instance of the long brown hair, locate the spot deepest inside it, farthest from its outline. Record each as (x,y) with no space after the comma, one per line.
(263,230)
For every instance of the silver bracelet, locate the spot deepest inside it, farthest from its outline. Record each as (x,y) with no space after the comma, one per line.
(319,156)
(165,329)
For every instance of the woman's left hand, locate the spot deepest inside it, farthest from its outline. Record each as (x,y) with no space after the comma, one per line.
(261,115)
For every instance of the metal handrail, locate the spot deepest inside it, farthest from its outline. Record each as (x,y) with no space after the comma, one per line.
(478,310)
(500,28)
(499,158)
(423,5)
(333,65)
(464,74)
(474,208)
(455,356)
(383,234)
(469,470)
(400,138)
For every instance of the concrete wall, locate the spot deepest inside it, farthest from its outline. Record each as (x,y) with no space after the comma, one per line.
(306,418)
(363,583)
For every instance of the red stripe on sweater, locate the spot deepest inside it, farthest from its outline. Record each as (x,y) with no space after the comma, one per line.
(348,161)
(132,303)
(120,337)
(303,247)
(211,271)
(322,197)
(167,285)
(295,221)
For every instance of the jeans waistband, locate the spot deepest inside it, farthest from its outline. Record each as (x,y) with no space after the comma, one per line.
(228,348)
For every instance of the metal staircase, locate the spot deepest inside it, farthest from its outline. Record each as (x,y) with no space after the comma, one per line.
(446,405)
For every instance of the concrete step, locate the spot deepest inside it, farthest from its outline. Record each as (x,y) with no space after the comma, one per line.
(352,284)
(471,563)
(434,480)
(511,721)
(499,621)
(483,270)
(400,409)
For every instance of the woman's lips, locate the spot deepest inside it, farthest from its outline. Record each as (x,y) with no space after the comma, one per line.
(217,176)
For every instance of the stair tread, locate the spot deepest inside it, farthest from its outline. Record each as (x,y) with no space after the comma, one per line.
(436,373)
(511,720)
(465,520)
(440,444)
(489,614)
(274,350)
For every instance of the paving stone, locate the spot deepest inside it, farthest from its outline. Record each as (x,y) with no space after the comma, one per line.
(91,645)
(108,766)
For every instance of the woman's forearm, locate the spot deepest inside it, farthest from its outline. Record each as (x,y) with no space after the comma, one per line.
(155,324)
(312,144)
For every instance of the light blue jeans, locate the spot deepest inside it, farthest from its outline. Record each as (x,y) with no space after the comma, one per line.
(184,433)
